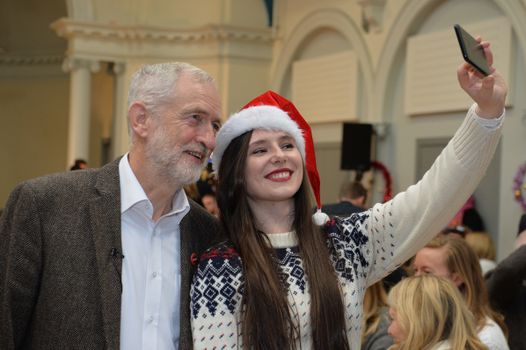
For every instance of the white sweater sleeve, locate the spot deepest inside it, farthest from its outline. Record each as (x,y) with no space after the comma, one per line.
(412,218)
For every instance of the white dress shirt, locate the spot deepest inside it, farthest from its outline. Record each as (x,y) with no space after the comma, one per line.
(151,268)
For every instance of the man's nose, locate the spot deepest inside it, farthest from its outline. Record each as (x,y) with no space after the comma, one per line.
(207,136)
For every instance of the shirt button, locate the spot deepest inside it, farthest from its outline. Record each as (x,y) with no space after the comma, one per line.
(154,274)
(150,319)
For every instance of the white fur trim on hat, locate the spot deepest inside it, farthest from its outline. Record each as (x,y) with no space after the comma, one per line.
(256,117)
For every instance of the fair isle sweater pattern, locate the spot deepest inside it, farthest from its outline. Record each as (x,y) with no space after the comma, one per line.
(218,282)
(217,290)
(219,275)
(346,241)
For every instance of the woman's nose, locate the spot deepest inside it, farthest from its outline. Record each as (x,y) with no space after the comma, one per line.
(278,156)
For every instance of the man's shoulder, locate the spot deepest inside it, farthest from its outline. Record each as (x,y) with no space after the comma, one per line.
(341,209)
(68,183)
(330,206)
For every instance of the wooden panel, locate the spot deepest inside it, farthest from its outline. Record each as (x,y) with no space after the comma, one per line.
(431,82)
(324,88)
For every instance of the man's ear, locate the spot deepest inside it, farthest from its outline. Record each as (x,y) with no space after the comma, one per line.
(137,116)
(362,200)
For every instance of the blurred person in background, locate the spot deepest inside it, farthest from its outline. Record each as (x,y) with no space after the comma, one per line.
(375,319)
(483,246)
(507,289)
(427,312)
(352,199)
(79,164)
(452,258)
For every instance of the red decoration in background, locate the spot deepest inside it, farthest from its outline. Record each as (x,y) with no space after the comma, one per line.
(388,191)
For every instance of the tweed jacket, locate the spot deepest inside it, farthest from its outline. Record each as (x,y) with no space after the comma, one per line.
(60,267)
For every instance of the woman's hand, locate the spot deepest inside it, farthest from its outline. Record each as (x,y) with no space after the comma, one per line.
(489,92)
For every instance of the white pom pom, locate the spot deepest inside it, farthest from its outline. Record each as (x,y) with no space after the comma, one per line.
(320,218)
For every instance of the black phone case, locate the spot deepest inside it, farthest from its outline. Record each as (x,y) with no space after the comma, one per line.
(479,63)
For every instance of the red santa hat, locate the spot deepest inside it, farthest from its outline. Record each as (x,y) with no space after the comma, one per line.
(271,111)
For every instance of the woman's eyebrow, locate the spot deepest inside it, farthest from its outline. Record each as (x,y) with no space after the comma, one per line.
(257,143)
(286,138)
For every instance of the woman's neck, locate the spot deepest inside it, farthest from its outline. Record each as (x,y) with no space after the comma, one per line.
(273,217)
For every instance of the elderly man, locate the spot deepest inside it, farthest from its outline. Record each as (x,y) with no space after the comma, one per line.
(100,258)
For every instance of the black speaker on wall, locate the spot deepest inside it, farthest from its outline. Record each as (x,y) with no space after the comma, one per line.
(356,146)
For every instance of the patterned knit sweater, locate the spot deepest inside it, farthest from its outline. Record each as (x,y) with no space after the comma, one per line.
(364,247)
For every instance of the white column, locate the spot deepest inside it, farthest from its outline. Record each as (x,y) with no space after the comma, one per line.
(79,107)
(120,136)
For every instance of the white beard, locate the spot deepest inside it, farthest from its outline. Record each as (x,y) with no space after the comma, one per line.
(171,163)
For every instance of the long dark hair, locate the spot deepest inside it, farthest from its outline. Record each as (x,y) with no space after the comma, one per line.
(266,321)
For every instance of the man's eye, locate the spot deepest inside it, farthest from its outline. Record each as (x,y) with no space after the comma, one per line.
(216,126)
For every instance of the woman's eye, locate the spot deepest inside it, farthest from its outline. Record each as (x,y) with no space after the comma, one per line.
(288,146)
(258,151)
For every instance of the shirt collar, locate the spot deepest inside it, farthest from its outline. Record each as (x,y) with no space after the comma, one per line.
(132,192)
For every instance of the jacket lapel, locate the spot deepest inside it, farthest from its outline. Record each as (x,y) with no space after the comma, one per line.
(105,223)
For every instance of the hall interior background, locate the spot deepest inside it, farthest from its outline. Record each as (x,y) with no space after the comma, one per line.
(65,67)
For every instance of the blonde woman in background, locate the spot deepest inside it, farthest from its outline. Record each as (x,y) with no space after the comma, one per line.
(375,319)
(453,258)
(483,246)
(429,313)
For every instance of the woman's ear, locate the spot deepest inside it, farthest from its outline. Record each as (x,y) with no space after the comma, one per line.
(137,116)
(457,279)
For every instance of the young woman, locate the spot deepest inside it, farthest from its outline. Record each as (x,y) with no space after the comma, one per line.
(428,313)
(280,281)
(454,259)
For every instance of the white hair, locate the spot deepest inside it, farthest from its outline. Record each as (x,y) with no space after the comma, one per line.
(154,84)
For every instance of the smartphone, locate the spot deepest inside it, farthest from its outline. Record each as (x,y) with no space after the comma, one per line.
(472,51)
